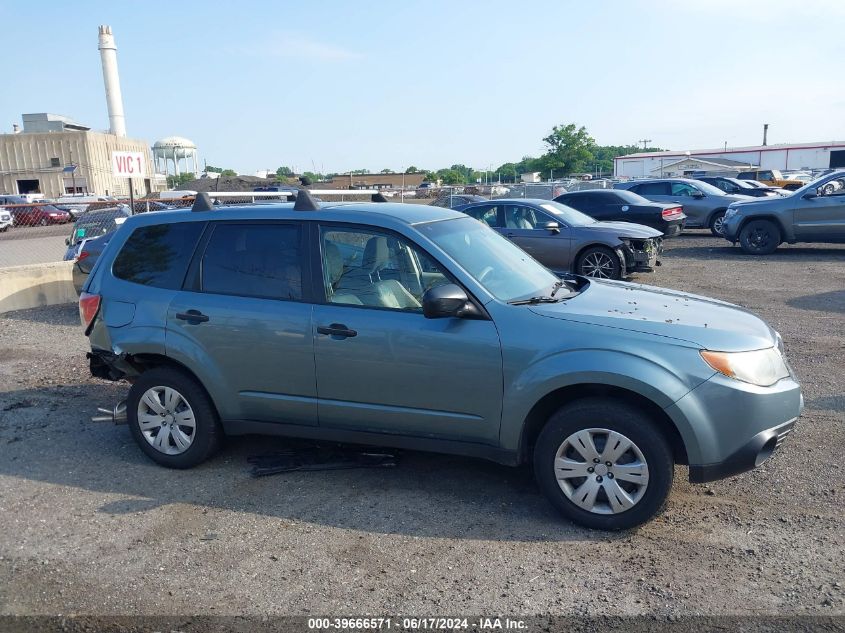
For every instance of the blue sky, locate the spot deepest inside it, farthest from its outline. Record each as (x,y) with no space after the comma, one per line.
(334,86)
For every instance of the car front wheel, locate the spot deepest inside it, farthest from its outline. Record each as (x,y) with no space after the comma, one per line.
(599,262)
(172,419)
(759,237)
(604,464)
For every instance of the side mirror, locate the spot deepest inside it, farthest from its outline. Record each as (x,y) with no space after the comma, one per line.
(811,194)
(552,227)
(697,194)
(448,300)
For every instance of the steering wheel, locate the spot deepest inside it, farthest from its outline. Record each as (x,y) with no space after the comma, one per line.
(484,273)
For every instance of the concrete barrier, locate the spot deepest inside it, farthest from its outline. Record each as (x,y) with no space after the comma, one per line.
(36,285)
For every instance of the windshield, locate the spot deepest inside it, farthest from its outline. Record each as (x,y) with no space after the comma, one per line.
(506,271)
(812,186)
(567,215)
(707,188)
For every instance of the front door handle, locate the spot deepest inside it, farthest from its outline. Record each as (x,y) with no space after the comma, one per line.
(192,316)
(336,329)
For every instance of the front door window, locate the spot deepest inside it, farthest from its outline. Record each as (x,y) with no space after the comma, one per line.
(377,270)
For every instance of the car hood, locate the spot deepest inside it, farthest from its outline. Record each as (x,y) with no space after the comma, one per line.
(775,202)
(624,229)
(699,321)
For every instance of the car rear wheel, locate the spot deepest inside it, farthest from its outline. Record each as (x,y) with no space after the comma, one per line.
(759,237)
(604,464)
(717,224)
(599,262)
(172,419)
(43,222)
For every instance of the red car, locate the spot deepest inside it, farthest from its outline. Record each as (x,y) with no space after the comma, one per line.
(39,215)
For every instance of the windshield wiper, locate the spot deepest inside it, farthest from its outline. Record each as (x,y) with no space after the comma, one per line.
(558,285)
(541,299)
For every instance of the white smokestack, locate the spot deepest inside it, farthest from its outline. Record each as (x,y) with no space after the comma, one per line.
(108,55)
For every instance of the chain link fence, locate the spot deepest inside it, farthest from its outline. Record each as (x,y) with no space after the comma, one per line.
(39,231)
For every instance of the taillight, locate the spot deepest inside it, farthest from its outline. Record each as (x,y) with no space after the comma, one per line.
(88,306)
(672,213)
(82,256)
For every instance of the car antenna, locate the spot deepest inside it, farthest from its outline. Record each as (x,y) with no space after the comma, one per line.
(202,203)
(378,197)
(304,202)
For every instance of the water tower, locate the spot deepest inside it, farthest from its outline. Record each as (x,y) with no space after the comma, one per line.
(175,149)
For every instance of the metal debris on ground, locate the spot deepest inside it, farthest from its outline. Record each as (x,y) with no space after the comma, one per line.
(317,457)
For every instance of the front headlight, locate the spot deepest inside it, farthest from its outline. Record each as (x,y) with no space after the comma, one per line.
(762,367)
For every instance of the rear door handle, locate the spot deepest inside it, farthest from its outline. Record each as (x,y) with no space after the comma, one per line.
(336,329)
(194,316)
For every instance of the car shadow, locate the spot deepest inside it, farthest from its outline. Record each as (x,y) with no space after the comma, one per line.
(46,435)
(833,301)
(734,253)
(827,403)
(62,314)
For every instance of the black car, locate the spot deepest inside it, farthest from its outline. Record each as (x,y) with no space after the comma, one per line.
(627,206)
(450,201)
(740,187)
(87,256)
(94,224)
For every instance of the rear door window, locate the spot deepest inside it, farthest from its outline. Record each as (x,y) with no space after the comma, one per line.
(652,189)
(254,260)
(158,255)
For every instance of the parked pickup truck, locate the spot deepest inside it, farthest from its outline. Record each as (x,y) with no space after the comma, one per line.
(772,177)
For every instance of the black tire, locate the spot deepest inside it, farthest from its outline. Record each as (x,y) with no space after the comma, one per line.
(207,433)
(760,237)
(716,223)
(586,264)
(615,416)
(42,222)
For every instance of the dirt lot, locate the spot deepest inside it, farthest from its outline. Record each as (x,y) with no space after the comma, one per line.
(88,525)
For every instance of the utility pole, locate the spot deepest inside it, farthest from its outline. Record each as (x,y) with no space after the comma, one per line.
(645,142)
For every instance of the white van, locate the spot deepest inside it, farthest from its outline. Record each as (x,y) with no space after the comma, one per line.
(78,203)
(176,195)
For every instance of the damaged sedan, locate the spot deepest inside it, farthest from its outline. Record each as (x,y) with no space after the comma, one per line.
(568,241)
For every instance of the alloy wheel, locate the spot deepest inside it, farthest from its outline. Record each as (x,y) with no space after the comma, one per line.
(601,471)
(598,264)
(759,238)
(166,420)
(719,225)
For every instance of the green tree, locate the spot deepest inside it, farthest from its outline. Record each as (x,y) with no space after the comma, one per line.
(386,171)
(411,170)
(213,170)
(228,172)
(181,179)
(569,150)
(284,172)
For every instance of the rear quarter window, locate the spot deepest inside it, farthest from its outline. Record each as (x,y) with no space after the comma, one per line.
(158,255)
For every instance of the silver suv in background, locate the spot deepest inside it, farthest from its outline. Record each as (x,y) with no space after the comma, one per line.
(814,213)
(704,204)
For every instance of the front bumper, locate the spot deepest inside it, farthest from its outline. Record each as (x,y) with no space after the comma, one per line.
(758,449)
(728,426)
(642,256)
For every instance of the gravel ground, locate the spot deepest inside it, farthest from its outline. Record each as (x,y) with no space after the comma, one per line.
(88,525)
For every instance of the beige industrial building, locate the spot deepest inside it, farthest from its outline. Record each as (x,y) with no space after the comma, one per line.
(55,156)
